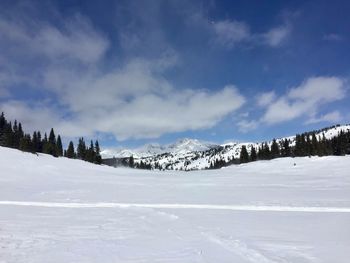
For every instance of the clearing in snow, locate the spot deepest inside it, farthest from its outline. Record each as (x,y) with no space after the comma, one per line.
(61,210)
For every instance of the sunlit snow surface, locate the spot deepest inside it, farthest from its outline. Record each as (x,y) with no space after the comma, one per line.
(32,229)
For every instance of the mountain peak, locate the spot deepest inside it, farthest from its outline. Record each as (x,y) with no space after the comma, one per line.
(180,146)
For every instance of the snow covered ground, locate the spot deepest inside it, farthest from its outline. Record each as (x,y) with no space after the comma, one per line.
(61,210)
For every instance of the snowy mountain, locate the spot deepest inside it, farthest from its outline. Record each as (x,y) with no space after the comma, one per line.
(190,154)
(182,146)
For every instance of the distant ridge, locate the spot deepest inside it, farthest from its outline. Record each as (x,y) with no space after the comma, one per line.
(181,146)
(192,154)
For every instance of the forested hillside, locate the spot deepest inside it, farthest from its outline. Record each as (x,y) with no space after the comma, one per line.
(14,136)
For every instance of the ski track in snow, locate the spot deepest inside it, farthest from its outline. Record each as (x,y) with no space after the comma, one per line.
(255,208)
(239,248)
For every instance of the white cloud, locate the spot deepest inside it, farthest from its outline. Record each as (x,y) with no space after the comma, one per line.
(282,110)
(332,37)
(276,36)
(266,98)
(76,40)
(319,89)
(33,118)
(152,115)
(133,100)
(332,117)
(147,115)
(139,104)
(231,32)
(247,126)
(306,99)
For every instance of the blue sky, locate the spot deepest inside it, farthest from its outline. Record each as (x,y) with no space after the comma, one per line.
(134,72)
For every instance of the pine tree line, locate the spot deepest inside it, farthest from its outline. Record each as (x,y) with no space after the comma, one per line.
(13,136)
(87,153)
(306,144)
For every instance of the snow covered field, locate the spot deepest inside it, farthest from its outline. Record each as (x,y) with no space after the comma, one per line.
(61,210)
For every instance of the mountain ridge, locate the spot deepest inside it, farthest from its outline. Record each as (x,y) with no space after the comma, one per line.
(180,146)
(192,154)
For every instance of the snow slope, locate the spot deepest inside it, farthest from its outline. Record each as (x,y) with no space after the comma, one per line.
(182,146)
(198,159)
(61,210)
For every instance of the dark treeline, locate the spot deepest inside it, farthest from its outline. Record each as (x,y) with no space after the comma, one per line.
(13,136)
(306,144)
(140,165)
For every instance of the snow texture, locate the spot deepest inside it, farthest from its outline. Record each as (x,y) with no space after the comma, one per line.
(284,210)
(201,155)
(182,146)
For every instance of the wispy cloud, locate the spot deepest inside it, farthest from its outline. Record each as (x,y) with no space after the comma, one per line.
(230,33)
(131,100)
(264,99)
(305,100)
(332,37)
(332,117)
(246,126)
(276,36)
(77,39)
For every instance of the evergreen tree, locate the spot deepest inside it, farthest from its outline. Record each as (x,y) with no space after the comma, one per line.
(52,137)
(35,142)
(275,150)
(315,150)
(244,156)
(9,135)
(253,154)
(323,146)
(52,144)
(304,143)
(3,124)
(26,144)
(70,151)
(17,134)
(98,158)
(59,148)
(20,133)
(90,153)
(286,150)
(298,149)
(309,147)
(260,153)
(265,152)
(15,137)
(131,161)
(81,150)
(39,146)
(339,144)
(219,163)
(45,144)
